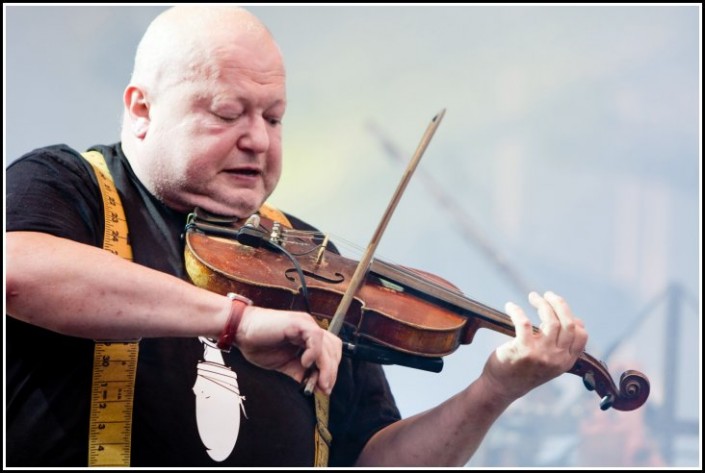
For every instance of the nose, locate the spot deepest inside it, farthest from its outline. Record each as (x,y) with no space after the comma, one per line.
(256,137)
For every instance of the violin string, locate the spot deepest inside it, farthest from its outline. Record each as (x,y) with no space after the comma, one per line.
(297,236)
(420,278)
(294,235)
(417,276)
(307,252)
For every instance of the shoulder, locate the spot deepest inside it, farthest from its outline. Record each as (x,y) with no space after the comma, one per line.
(55,166)
(54,190)
(56,153)
(50,163)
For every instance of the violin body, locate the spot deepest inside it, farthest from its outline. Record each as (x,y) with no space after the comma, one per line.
(397,316)
(380,313)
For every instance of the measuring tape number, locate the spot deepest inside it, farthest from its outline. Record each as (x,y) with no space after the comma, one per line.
(114,362)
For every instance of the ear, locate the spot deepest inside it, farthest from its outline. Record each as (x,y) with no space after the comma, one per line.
(137,107)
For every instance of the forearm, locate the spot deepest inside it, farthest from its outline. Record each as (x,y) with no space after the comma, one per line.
(84,291)
(447,435)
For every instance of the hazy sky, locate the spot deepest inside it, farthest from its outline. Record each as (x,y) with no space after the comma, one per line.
(568,157)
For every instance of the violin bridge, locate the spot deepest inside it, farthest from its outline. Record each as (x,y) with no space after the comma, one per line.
(322,249)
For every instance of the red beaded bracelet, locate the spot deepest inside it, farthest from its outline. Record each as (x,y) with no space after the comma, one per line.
(227,337)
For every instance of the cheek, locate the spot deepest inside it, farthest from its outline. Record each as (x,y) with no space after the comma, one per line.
(204,157)
(199,169)
(274,154)
(274,165)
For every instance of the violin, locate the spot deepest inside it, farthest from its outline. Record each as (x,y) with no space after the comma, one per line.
(397,316)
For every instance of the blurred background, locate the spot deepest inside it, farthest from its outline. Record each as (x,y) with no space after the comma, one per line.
(568,159)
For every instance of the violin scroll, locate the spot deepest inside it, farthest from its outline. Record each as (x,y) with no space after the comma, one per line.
(633,388)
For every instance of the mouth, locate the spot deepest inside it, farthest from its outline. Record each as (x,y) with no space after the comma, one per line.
(244,172)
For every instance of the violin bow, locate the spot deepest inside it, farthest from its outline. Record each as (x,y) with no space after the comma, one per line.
(364,264)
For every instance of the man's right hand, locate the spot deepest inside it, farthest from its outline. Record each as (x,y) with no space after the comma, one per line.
(289,342)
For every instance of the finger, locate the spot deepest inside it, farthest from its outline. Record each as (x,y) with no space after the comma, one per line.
(572,324)
(308,361)
(310,381)
(329,361)
(323,352)
(312,341)
(522,324)
(550,325)
(580,340)
(568,326)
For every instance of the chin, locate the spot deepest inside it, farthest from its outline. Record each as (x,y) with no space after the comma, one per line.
(240,206)
(238,209)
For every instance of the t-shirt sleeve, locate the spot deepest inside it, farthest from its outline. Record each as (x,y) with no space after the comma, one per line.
(53,190)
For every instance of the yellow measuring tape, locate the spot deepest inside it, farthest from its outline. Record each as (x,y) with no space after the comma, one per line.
(322,436)
(114,362)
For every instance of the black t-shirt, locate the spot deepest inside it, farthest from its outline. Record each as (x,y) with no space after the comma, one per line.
(54,190)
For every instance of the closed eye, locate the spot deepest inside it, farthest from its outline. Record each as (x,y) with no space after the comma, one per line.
(226,119)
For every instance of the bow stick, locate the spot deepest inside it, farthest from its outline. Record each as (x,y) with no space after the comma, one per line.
(364,264)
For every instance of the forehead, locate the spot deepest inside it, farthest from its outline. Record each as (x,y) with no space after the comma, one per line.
(234,86)
(229,73)
(239,59)
(244,66)
(233,81)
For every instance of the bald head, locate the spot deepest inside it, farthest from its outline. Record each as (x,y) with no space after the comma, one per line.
(181,43)
(203,111)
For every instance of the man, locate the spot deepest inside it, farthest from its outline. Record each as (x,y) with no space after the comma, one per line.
(202,128)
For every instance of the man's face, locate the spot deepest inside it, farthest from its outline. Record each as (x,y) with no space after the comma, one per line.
(215,141)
